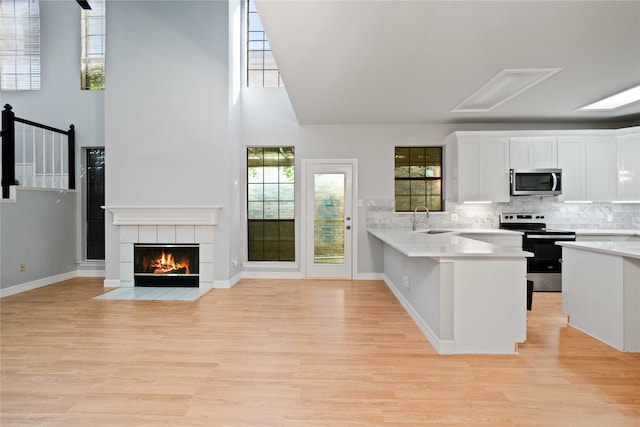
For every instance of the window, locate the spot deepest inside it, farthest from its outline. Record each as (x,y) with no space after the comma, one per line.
(418,178)
(262,70)
(19,45)
(92,36)
(270,204)
(95,201)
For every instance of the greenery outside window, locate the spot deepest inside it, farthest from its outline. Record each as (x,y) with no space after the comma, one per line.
(418,178)
(92,39)
(271,203)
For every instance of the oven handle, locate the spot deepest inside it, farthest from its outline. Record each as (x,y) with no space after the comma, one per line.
(551,237)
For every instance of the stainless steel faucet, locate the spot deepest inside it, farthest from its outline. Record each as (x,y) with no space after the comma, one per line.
(415,224)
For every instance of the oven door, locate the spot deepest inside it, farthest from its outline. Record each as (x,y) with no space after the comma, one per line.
(545,267)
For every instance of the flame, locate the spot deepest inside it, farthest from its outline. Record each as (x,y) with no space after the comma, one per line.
(166,264)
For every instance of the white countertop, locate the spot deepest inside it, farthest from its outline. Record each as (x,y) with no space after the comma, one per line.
(625,249)
(604,231)
(421,244)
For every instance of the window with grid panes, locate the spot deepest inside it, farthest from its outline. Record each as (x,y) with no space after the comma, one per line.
(92,40)
(262,70)
(19,45)
(418,178)
(271,203)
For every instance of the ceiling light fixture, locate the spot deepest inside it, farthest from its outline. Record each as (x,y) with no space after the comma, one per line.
(614,101)
(502,87)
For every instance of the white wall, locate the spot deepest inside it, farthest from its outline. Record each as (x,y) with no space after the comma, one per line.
(167,111)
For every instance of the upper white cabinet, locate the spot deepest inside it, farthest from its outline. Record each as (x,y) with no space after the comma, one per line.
(588,166)
(478,168)
(533,153)
(628,166)
(572,162)
(597,165)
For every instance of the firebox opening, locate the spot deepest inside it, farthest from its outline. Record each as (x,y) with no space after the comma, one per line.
(170,265)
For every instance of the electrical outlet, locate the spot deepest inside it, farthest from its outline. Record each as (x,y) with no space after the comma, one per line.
(609,218)
(454,217)
(406,282)
(22,268)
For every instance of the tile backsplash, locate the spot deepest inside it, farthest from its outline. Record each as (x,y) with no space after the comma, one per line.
(380,214)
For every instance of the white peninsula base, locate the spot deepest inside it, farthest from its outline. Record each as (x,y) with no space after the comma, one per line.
(601,291)
(466,296)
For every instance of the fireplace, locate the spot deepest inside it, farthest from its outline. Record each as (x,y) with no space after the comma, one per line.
(170,265)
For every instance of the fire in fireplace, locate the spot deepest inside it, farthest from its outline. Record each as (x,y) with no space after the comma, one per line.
(175,265)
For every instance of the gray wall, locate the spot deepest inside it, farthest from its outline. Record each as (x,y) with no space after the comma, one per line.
(38,230)
(58,103)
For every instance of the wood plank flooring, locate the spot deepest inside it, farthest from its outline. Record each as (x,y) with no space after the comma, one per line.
(291,353)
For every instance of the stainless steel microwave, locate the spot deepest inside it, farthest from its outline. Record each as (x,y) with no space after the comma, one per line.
(536,182)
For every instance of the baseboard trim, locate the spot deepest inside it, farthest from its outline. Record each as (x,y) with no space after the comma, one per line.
(272,275)
(441,346)
(227,284)
(46,281)
(370,276)
(111,283)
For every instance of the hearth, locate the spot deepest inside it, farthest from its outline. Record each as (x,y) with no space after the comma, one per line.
(168,265)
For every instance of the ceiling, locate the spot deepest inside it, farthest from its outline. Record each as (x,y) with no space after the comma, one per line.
(411,62)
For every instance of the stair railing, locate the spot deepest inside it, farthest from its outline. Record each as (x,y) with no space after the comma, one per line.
(46,161)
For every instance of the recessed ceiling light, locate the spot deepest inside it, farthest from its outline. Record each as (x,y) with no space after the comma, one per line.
(614,101)
(502,87)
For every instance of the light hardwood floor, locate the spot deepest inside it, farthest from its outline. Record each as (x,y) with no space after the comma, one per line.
(291,353)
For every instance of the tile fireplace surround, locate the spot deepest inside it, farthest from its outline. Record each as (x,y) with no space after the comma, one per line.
(166,224)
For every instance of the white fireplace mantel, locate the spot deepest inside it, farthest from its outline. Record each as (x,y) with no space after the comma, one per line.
(164,215)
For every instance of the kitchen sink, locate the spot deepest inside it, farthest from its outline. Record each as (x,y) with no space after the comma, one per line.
(434,231)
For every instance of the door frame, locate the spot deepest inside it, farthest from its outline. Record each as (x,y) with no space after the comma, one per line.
(354,211)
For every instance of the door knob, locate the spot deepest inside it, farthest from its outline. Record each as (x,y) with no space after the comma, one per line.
(348,227)
(348,218)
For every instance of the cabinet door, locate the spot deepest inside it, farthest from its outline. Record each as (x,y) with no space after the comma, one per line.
(628,167)
(533,153)
(519,156)
(483,169)
(494,170)
(571,161)
(600,168)
(544,153)
(468,170)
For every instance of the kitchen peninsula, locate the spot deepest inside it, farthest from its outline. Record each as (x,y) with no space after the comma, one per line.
(466,296)
(601,291)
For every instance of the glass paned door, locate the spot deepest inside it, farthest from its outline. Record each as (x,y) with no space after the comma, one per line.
(328,220)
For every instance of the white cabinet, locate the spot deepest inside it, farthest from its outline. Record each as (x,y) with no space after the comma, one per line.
(478,168)
(533,153)
(571,161)
(600,168)
(628,167)
(588,168)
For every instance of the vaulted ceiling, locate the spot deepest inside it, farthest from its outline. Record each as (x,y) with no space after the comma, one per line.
(412,62)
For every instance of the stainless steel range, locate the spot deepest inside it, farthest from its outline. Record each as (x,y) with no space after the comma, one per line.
(545,267)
